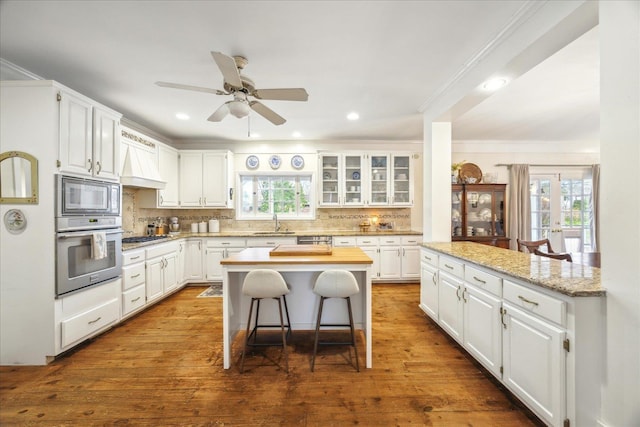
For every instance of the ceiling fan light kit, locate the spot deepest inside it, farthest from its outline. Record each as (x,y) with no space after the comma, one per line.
(241,86)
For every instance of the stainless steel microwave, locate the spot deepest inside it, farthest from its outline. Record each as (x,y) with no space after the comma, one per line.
(83,203)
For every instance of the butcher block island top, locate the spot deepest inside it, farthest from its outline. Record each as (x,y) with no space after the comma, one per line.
(306,255)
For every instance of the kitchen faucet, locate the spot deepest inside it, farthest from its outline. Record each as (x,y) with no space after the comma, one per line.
(275,217)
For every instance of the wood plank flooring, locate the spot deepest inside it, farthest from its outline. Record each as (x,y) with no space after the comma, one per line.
(164,368)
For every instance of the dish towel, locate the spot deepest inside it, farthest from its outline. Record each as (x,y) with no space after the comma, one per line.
(99,245)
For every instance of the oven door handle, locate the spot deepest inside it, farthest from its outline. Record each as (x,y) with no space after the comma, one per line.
(76,234)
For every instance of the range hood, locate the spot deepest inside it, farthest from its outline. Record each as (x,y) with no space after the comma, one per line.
(139,169)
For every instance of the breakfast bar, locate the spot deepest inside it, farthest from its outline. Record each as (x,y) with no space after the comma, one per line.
(300,270)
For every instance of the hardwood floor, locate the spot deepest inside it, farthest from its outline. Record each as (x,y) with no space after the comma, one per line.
(164,367)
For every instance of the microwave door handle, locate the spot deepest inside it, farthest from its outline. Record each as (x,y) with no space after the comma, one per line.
(68,235)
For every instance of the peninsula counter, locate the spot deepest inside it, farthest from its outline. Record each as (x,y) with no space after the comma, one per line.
(300,271)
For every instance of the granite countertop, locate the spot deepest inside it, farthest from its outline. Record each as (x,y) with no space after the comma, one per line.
(572,279)
(257,233)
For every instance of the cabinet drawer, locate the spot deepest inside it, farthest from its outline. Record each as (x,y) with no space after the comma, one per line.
(535,302)
(269,242)
(85,324)
(429,258)
(133,299)
(451,266)
(161,249)
(483,280)
(132,275)
(226,243)
(131,257)
(344,241)
(410,240)
(390,241)
(366,241)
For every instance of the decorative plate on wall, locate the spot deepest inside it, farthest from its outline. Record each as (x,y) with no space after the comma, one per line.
(275,161)
(297,162)
(252,162)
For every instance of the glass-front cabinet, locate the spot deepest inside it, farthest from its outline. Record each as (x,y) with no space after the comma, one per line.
(365,180)
(478,214)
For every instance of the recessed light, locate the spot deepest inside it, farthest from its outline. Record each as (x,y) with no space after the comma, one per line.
(494,84)
(353,116)
(182,116)
(296,134)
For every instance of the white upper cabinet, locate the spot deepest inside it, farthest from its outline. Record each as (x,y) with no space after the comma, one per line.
(206,179)
(89,138)
(168,159)
(356,180)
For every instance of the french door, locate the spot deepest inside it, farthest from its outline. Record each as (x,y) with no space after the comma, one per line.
(561,210)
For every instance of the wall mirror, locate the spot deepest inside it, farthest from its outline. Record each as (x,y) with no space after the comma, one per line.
(18,178)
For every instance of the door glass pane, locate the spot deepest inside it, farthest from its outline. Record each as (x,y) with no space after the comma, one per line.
(379,174)
(400,176)
(352,179)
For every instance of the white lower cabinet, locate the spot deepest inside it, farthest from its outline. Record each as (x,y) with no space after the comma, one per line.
(133,281)
(87,313)
(218,249)
(516,332)
(161,270)
(193,260)
(410,261)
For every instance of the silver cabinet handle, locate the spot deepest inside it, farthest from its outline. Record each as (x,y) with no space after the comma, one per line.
(91,322)
(403,252)
(427,258)
(503,311)
(135,299)
(448,266)
(90,165)
(99,168)
(458,293)
(161,199)
(135,275)
(134,257)
(433,279)
(526,300)
(463,292)
(484,282)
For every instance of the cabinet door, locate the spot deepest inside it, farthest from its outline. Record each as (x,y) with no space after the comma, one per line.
(190,179)
(378,180)
(106,144)
(482,327)
(213,269)
(534,363)
(352,184)
(411,262)
(429,291)
(170,273)
(76,145)
(390,265)
(373,253)
(330,180)
(214,179)
(450,309)
(154,278)
(168,168)
(401,181)
(193,260)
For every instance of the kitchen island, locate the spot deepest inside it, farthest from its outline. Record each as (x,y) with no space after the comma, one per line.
(300,271)
(535,323)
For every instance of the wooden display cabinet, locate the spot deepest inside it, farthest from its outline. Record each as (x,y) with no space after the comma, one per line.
(478,214)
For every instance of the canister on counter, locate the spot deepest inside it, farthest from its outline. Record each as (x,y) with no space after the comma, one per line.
(214,226)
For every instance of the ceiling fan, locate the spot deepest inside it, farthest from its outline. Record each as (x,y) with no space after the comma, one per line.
(242,87)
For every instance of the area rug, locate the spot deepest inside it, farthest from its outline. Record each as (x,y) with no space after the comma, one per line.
(212,291)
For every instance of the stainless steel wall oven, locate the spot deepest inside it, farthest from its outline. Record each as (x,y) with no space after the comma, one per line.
(87,209)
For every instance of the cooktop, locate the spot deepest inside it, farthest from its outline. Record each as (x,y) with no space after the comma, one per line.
(142,239)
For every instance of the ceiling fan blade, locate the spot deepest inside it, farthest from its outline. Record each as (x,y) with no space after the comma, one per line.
(290,94)
(189,87)
(228,69)
(220,113)
(267,113)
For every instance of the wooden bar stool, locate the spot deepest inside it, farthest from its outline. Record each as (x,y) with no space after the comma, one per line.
(335,284)
(261,284)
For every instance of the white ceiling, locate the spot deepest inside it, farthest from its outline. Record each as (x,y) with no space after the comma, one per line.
(383,59)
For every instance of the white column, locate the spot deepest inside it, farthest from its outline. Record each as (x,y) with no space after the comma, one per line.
(620,208)
(437,182)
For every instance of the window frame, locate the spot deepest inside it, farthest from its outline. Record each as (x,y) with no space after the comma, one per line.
(255,215)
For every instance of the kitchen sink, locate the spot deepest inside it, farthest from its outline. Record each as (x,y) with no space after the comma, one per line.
(272,233)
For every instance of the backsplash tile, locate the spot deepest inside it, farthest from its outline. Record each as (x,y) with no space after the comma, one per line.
(135,218)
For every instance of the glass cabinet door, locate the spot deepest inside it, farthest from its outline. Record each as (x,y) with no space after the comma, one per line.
(456,211)
(352,184)
(498,214)
(330,180)
(401,177)
(379,177)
